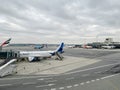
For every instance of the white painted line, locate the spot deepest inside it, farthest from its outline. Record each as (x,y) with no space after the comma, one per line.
(51,81)
(3,85)
(41,79)
(69,86)
(75,85)
(53,89)
(109,76)
(41,86)
(51,84)
(61,88)
(44,79)
(45,85)
(29,83)
(90,68)
(69,78)
(85,75)
(82,83)
(92,80)
(88,82)
(97,79)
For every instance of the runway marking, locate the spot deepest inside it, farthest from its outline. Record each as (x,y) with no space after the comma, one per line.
(90,68)
(29,83)
(41,79)
(3,85)
(51,81)
(61,88)
(69,86)
(44,79)
(97,79)
(52,84)
(53,88)
(75,85)
(109,76)
(92,80)
(88,82)
(69,78)
(82,83)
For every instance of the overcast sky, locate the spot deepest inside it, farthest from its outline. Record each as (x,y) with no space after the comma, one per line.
(54,21)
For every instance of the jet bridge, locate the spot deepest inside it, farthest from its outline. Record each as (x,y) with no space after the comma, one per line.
(7,54)
(8,68)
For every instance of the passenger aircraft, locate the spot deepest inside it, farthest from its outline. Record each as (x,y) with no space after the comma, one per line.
(32,55)
(39,46)
(5,43)
(108,47)
(87,47)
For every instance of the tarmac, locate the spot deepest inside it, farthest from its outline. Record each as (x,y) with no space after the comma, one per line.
(52,66)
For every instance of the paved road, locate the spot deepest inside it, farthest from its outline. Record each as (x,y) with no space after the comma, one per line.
(79,79)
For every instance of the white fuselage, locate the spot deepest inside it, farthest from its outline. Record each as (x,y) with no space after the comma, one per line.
(35,53)
(108,47)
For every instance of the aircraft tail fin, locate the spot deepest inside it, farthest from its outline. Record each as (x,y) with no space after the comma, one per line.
(60,48)
(6,42)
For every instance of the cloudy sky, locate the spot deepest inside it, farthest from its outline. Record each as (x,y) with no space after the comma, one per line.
(53,21)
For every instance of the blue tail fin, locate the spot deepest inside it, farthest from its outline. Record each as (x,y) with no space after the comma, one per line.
(60,48)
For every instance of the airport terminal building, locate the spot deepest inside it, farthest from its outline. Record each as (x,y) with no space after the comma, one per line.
(107,42)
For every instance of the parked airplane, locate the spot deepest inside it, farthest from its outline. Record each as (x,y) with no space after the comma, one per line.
(32,55)
(108,47)
(87,47)
(40,46)
(5,43)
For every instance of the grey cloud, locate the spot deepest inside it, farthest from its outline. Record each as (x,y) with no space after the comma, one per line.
(106,34)
(64,18)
